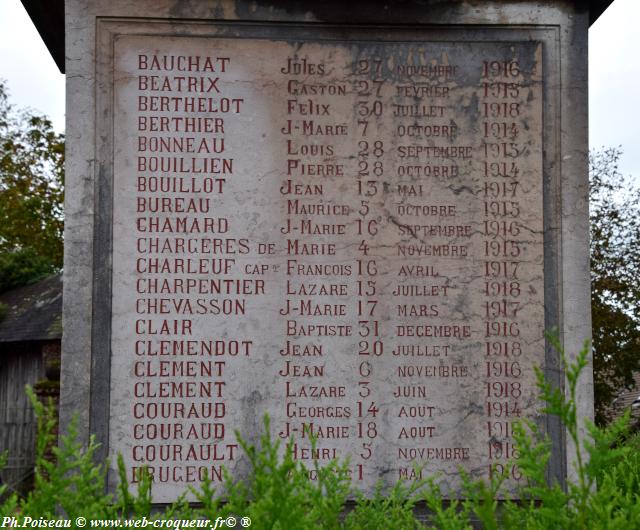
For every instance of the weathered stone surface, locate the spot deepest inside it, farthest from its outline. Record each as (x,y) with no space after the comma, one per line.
(358,231)
(376,204)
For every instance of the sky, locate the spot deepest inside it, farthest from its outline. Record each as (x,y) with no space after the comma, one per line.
(614,76)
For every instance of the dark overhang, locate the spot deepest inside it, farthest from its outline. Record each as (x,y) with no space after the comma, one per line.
(32,312)
(48,18)
(596,8)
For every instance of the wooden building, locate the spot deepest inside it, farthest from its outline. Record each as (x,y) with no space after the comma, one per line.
(30,333)
(628,399)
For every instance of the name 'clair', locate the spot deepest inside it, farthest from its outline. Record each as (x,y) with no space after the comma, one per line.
(182,63)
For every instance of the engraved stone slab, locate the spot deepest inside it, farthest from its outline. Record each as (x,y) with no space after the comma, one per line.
(346,235)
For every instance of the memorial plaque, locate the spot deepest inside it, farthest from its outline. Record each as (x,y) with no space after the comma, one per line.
(344,234)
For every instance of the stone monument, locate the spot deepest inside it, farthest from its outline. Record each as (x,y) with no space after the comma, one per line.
(360,222)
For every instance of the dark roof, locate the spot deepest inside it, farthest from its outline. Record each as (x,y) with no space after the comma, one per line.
(33,312)
(596,8)
(626,398)
(48,18)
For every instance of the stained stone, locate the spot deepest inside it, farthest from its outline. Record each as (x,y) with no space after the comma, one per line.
(360,233)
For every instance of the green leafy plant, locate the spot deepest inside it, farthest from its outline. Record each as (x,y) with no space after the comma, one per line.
(605,493)
(446,514)
(66,476)
(8,502)
(278,492)
(31,195)
(614,205)
(392,510)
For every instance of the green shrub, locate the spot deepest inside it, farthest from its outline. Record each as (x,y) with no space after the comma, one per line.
(8,502)
(278,493)
(386,511)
